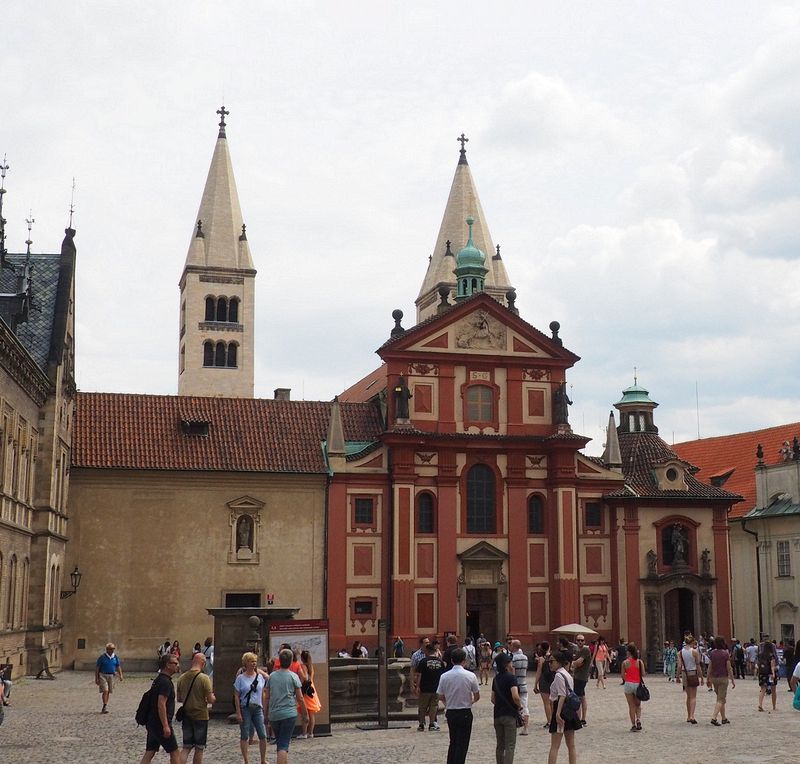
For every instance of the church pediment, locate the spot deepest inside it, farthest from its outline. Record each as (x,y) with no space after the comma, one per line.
(483,551)
(479,326)
(245,503)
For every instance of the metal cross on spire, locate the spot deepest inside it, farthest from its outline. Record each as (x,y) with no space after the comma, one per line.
(223,112)
(30,221)
(462,139)
(3,169)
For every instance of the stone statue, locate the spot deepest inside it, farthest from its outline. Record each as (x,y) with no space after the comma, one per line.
(561,404)
(786,451)
(401,396)
(244,533)
(678,545)
(652,560)
(705,562)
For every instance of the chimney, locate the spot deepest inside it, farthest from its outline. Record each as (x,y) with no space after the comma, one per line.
(283,393)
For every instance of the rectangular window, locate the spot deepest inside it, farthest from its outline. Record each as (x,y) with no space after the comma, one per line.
(594,516)
(364,607)
(242,599)
(479,403)
(784,559)
(364,512)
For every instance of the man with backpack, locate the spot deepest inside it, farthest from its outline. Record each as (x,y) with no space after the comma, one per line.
(160,709)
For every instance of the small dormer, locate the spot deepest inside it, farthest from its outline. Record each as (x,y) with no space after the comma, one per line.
(671,475)
(636,410)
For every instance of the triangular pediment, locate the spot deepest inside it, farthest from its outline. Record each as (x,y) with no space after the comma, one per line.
(589,468)
(479,326)
(246,502)
(483,551)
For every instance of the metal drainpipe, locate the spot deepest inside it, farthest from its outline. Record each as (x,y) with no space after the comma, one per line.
(758,579)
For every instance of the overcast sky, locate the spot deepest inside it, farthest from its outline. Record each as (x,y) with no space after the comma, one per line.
(639,163)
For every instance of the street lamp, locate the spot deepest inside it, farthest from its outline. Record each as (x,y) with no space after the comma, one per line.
(75,580)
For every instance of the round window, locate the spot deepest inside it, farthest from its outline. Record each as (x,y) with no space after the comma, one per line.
(672,474)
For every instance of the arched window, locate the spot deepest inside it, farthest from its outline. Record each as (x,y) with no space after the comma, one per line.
(233,310)
(211,308)
(232,355)
(480,500)
(480,403)
(426,516)
(25,586)
(222,309)
(2,575)
(219,356)
(535,514)
(208,353)
(11,608)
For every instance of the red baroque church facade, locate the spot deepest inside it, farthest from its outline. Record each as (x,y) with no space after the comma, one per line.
(476,511)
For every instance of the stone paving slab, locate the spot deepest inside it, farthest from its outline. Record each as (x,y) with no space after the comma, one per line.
(59,722)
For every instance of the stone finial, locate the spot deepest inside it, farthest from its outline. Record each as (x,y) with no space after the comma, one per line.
(199,234)
(397,330)
(497,255)
(243,236)
(554,327)
(760,454)
(796,448)
(447,251)
(444,298)
(511,298)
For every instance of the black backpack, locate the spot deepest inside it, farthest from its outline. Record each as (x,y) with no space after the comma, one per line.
(145,706)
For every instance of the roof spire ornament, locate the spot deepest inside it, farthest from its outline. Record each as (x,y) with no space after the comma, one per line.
(72,203)
(462,139)
(223,112)
(30,221)
(3,170)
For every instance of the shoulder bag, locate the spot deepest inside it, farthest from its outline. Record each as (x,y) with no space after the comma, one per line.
(180,714)
(641,691)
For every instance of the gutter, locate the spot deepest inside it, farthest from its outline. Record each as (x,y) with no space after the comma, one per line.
(758,578)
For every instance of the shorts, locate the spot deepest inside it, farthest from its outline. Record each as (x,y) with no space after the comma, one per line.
(720,688)
(629,688)
(765,680)
(252,717)
(428,704)
(156,740)
(283,729)
(580,687)
(523,703)
(195,733)
(106,683)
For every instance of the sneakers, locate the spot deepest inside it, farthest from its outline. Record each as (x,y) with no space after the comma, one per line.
(104,710)
(434,727)
(421,727)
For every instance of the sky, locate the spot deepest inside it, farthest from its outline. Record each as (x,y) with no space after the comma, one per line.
(639,164)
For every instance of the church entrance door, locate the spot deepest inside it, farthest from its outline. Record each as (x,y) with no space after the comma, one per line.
(482,613)
(679,614)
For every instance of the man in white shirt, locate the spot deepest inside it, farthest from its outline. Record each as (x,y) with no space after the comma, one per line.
(795,680)
(458,688)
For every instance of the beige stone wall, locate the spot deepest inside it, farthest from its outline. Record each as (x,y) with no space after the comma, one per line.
(744,579)
(158,548)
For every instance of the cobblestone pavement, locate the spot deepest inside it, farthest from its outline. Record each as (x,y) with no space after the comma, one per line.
(59,722)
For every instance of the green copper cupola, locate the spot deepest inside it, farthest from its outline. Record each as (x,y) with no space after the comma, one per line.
(470,268)
(636,409)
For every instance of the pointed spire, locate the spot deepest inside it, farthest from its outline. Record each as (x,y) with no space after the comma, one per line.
(335,448)
(220,214)
(462,158)
(462,202)
(612,457)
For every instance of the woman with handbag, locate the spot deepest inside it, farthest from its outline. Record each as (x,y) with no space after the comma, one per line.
(310,694)
(248,700)
(689,670)
(543,679)
(632,675)
(720,672)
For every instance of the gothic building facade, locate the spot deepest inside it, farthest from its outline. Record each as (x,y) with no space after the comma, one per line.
(37,391)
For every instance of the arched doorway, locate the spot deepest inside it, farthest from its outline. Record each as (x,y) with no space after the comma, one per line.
(679,613)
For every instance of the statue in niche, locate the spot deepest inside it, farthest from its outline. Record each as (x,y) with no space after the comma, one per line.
(678,542)
(705,562)
(401,398)
(652,560)
(561,404)
(244,533)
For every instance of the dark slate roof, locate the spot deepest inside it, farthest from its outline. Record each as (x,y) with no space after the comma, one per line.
(779,508)
(641,452)
(127,431)
(35,334)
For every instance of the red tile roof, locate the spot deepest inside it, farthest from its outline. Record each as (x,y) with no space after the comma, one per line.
(716,456)
(367,387)
(641,451)
(125,431)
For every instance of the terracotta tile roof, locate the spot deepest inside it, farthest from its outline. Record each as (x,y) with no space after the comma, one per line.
(716,456)
(641,451)
(124,431)
(365,388)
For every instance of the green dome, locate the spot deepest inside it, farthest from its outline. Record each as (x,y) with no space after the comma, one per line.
(635,394)
(470,256)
